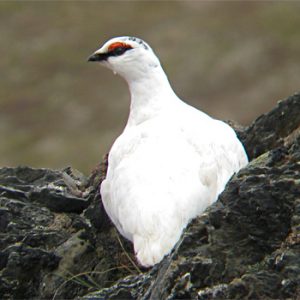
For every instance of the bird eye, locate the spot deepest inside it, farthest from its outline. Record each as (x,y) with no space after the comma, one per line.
(119,51)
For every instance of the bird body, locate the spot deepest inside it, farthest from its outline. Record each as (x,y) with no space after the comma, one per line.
(171,161)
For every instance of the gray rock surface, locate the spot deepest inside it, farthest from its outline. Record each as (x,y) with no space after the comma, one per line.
(49,235)
(57,242)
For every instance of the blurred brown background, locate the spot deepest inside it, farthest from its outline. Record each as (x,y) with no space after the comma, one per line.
(233,60)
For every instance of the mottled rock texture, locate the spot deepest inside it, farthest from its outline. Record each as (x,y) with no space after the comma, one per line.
(57,242)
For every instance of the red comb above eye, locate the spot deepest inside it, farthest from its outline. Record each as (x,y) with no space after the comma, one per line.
(117,45)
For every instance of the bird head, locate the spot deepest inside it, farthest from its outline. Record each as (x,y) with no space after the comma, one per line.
(130,57)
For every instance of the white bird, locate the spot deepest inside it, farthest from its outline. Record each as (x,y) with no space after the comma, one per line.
(171,161)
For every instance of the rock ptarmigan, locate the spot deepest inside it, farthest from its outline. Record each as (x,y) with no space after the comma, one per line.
(171,161)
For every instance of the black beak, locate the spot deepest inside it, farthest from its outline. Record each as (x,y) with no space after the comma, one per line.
(98,57)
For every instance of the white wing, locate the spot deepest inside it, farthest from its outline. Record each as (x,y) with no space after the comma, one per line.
(219,149)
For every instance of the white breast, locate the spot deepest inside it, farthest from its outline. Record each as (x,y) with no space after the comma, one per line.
(164,172)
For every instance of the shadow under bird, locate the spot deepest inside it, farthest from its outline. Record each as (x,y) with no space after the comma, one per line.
(171,161)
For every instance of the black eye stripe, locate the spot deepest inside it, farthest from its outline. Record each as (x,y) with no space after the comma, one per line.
(118,51)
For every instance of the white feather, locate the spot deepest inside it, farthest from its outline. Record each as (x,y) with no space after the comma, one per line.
(170,163)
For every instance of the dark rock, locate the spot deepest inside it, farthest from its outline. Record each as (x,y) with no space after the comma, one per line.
(273,129)
(95,212)
(23,264)
(43,186)
(56,241)
(45,244)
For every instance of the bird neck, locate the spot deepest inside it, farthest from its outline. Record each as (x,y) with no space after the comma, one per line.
(151,93)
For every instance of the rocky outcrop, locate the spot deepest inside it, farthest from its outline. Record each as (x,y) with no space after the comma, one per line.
(57,242)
